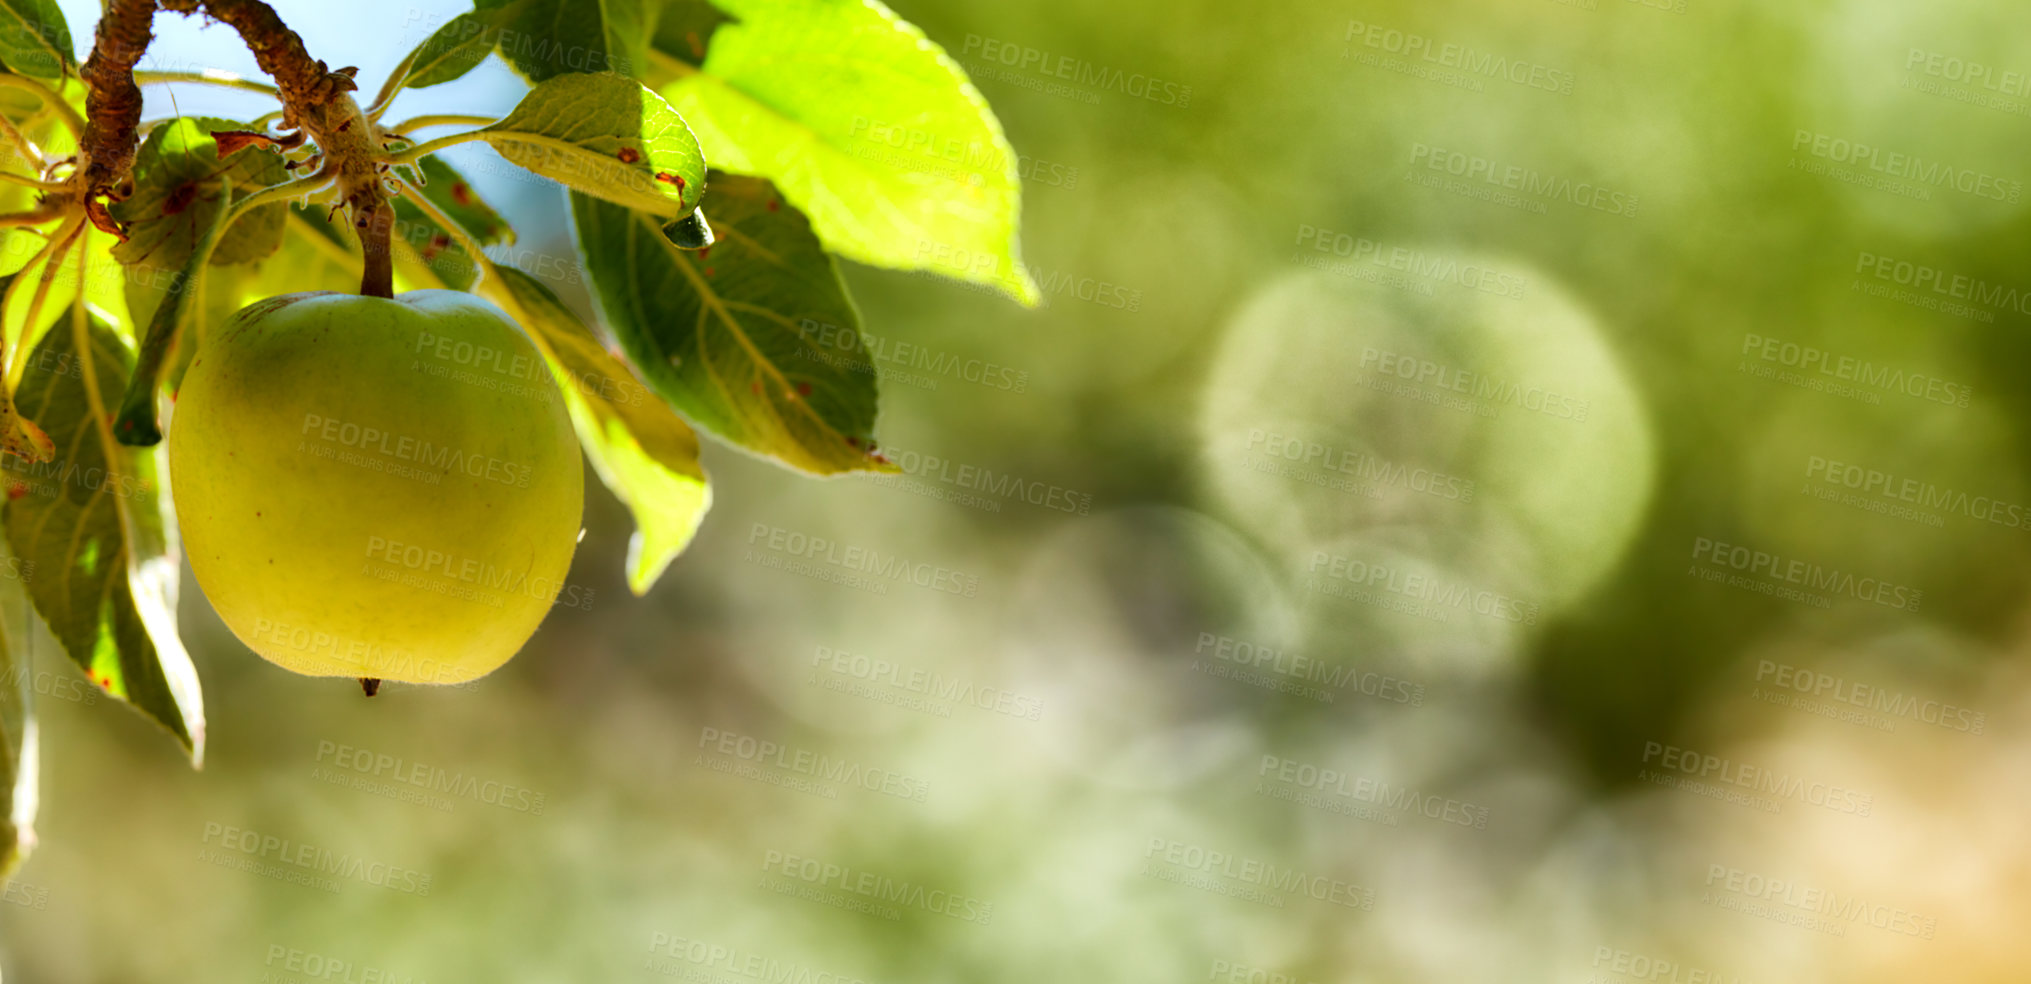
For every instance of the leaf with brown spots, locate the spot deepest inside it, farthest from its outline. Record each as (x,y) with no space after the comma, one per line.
(607,136)
(180,184)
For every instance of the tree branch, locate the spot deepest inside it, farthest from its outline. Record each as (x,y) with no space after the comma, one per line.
(315,100)
(307,85)
(112,100)
(318,101)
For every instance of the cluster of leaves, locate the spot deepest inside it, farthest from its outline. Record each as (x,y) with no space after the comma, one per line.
(630,100)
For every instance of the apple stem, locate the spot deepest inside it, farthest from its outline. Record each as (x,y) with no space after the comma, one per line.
(376,226)
(371,685)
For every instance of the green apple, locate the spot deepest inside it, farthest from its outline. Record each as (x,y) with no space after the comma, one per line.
(375,488)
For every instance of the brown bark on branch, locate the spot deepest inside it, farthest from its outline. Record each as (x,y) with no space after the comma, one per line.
(112,100)
(306,84)
(315,101)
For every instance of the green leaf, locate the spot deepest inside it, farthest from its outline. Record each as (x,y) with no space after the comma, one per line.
(435,245)
(543,39)
(135,424)
(754,339)
(684,31)
(870,129)
(18,244)
(314,255)
(57,276)
(92,521)
(34,39)
(643,451)
(18,752)
(455,49)
(180,187)
(449,190)
(607,136)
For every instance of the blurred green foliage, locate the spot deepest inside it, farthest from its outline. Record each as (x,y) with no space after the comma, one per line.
(1187,307)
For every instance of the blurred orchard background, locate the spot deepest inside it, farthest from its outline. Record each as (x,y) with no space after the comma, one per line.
(1369,608)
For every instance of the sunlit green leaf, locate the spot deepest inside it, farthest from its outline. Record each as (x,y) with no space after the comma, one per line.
(18,752)
(869,128)
(57,276)
(685,29)
(643,451)
(34,38)
(543,39)
(27,112)
(92,521)
(454,195)
(730,335)
(607,136)
(455,49)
